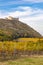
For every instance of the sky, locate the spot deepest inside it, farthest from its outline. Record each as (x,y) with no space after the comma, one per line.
(28,11)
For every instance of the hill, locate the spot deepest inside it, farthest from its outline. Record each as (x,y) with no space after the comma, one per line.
(11,28)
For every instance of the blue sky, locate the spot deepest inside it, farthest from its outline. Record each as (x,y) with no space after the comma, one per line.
(28,11)
(8,4)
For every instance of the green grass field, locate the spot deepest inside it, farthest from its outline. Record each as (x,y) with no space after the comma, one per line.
(24,61)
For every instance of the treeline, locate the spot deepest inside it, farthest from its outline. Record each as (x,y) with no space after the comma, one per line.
(11,35)
(6,37)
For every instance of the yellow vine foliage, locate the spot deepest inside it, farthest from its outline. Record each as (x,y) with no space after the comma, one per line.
(22,44)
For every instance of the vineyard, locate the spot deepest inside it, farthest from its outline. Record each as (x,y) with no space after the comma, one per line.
(23,46)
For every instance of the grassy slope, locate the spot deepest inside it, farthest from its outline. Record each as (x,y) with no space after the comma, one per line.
(24,61)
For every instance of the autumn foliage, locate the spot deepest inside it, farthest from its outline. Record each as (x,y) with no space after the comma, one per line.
(10,48)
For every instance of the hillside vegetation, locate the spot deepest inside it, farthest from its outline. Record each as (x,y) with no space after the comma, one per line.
(12,29)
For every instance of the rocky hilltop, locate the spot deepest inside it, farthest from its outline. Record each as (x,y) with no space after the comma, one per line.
(11,28)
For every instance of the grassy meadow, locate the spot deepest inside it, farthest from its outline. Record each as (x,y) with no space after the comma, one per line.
(24,61)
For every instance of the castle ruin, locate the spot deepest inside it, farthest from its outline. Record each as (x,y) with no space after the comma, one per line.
(11,18)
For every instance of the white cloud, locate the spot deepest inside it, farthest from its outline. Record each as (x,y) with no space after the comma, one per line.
(27,11)
(3,14)
(34,1)
(35,21)
(31,16)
